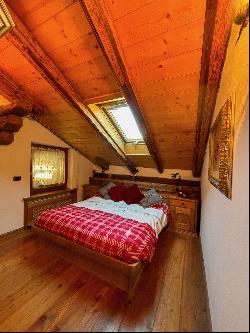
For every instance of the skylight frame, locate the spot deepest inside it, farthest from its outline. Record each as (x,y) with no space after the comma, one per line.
(115,123)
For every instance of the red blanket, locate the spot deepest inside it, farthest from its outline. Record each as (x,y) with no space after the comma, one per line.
(113,235)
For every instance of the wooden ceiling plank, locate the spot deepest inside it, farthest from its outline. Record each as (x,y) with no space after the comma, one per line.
(97,17)
(23,40)
(218,22)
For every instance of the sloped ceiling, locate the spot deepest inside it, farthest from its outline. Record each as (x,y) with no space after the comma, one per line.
(161,46)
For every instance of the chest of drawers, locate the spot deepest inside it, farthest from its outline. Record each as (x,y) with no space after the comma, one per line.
(183,214)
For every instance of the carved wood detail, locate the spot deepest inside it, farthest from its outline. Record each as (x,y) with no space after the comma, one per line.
(6,138)
(218,24)
(36,204)
(10,123)
(99,22)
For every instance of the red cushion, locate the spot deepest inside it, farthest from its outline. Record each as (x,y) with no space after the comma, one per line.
(116,192)
(132,195)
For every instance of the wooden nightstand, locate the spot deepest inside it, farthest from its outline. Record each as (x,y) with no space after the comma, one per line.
(183,214)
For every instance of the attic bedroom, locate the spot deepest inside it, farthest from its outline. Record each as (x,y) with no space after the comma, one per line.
(124,165)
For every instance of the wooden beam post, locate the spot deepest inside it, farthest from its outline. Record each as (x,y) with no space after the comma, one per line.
(23,40)
(97,17)
(19,108)
(6,138)
(10,123)
(218,22)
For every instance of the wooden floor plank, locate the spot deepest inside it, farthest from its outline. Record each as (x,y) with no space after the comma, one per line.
(42,289)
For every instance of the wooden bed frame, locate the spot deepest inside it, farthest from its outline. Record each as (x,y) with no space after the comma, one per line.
(120,274)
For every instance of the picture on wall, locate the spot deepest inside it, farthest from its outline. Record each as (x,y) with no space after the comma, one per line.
(221,142)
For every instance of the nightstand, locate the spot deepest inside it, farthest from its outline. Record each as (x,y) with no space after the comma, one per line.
(183,214)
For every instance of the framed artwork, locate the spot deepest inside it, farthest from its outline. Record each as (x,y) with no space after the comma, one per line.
(221,142)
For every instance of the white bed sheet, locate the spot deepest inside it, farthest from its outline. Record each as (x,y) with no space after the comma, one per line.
(152,216)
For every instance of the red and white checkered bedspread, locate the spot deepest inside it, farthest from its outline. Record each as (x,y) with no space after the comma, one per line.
(110,234)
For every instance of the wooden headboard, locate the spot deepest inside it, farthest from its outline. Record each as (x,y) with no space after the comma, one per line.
(164,189)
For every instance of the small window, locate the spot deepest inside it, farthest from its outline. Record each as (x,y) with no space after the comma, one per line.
(48,168)
(125,121)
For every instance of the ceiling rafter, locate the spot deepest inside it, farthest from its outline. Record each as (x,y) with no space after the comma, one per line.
(218,23)
(96,14)
(23,40)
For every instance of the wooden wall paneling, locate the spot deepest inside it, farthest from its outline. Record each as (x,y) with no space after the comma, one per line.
(36,12)
(21,38)
(154,17)
(99,21)
(167,68)
(166,46)
(218,24)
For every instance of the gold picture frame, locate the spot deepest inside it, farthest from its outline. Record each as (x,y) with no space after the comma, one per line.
(221,142)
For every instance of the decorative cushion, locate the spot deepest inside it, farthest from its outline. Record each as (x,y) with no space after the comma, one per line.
(132,195)
(104,190)
(116,192)
(150,200)
(150,192)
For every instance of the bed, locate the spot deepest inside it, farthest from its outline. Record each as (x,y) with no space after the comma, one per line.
(118,236)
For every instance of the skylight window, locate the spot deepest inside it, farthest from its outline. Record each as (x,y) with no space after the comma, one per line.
(125,121)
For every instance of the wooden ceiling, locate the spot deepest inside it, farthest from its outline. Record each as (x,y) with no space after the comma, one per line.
(160,47)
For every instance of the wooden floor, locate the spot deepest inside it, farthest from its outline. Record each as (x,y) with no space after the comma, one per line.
(41,289)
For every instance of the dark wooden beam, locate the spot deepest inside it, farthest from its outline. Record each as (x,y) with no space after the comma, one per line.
(99,22)
(18,98)
(23,40)
(19,108)
(10,123)
(6,138)
(218,22)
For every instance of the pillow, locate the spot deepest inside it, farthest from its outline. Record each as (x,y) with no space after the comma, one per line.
(150,192)
(132,195)
(152,199)
(104,190)
(116,192)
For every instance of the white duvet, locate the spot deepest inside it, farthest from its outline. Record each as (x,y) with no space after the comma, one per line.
(152,216)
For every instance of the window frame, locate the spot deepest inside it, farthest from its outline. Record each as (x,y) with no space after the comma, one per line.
(115,104)
(49,188)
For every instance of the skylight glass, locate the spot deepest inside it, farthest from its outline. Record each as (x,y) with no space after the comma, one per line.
(125,120)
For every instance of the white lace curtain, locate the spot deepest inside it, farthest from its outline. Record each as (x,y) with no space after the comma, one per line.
(48,167)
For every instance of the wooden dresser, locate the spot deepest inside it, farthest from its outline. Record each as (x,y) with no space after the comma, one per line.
(183,214)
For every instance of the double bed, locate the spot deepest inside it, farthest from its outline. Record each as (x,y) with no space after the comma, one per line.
(119,236)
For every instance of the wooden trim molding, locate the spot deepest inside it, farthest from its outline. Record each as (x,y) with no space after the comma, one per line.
(23,40)
(99,22)
(218,23)
(181,182)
